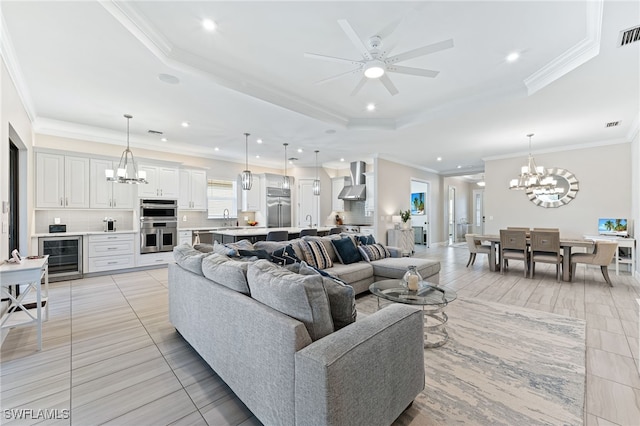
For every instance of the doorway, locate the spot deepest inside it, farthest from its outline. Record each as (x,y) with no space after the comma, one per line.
(14,200)
(452,215)
(420,219)
(478,211)
(308,205)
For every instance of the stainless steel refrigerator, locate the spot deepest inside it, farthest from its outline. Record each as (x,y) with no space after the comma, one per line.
(278,207)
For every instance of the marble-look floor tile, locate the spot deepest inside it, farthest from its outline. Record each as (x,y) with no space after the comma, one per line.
(614,367)
(192,419)
(613,401)
(154,413)
(610,342)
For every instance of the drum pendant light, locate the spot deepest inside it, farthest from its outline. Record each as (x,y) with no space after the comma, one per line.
(247,178)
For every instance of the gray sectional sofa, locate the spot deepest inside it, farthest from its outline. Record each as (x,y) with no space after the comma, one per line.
(269,333)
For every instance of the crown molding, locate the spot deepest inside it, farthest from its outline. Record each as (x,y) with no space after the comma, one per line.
(13,67)
(404,163)
(586,49)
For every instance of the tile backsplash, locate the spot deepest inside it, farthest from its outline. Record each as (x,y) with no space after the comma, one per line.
(83,220)
(355,213)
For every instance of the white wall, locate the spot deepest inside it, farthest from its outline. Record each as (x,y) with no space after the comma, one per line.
(604,176)
(14,116)
(635,189)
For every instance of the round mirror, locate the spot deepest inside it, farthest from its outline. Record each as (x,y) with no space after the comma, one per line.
(566,190)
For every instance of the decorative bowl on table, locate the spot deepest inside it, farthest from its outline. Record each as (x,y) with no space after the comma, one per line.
(252,223)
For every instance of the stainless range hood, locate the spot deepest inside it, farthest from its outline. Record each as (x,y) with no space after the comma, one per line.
(357,190)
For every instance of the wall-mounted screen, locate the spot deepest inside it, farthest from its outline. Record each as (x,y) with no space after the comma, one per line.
(608,226)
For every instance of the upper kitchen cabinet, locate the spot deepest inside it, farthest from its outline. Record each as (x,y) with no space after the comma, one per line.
(193,190)
(163,182)
(370,202)
(61,181)
(337,184)
(251,199)
(105,194)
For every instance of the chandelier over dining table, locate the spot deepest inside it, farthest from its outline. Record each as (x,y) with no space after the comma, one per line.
(535,177)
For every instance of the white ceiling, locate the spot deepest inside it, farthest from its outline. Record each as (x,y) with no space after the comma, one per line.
(81,65)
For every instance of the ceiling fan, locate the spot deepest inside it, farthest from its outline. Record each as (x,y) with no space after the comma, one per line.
(375,62)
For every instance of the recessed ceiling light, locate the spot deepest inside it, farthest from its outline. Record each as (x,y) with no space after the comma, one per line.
(513,56)
(439,159)
(257,156)
(216,149)
(208,24)
(459,166)
(163,139)
(342,159)
(259,141)
(185,124)
(371,107)
(168,78)
(299,149)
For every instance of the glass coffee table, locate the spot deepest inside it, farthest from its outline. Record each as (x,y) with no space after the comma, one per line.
(433,300)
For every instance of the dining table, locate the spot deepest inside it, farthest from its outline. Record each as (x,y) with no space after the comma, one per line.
(566,244)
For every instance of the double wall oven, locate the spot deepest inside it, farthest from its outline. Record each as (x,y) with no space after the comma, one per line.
(158,225)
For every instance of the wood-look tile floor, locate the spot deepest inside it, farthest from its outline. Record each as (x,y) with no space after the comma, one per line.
(110,355)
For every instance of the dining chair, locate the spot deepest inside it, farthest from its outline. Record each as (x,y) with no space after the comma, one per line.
(547,229)
(545,248)
(475,246)
(602,256)
(335,231)
(277,236)
(517,228)
(513,245)
(311,231)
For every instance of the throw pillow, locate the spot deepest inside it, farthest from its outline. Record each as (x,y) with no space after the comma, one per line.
(239,245)
(342,300)
(227,272)
(189,258)
(284,256)
(374,252)
(302,298)
(366,239)
(346,251)
(316,254)
(223,249)
(260,254)
(204,248)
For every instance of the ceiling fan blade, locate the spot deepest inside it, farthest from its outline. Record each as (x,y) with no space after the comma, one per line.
(331,58)
(337,76)
(388,84)
(359,86)
(421,51)
(355,39)
(412,71)
(389,29)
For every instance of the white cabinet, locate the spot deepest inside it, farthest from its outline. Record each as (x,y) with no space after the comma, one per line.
(105,194)
(150,259)
(192,190)
(337,184)
(370,202)
(61,181)
(111,251)
(163,182)
(251,199)
(185,237)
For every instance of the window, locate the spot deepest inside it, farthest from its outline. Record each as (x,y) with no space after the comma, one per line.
(221,195)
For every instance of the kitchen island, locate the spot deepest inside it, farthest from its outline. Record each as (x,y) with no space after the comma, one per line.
(252,234)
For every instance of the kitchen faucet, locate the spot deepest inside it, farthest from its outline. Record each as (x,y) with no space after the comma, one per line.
(226,216)
(310,220)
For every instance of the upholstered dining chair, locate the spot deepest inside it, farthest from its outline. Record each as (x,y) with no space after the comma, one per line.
(475,246)
(602,256)
(311,231)
(277,236)
(513,245)
(547,229)
(545,248)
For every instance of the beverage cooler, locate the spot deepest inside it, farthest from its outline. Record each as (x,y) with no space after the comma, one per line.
(65,256)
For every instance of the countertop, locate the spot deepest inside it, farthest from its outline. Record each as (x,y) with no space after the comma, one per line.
(252,231)
(72,234)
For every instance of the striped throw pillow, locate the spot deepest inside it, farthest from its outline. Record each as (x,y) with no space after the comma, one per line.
(373,252)
(315,254)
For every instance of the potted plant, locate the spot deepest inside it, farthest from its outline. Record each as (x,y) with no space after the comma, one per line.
(406,218)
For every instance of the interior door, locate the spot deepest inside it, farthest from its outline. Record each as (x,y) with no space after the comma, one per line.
(452,215)
(308,204)
(478,211)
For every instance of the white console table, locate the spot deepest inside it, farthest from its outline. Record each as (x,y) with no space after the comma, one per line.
(27,274)
(403,239)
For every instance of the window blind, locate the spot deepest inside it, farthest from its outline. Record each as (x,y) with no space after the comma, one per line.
(221,195)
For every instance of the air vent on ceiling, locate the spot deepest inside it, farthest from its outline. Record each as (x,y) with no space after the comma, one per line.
(629,36)
(612,124)
(154,132)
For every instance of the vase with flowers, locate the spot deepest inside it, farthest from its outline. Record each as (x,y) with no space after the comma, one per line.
(406,218)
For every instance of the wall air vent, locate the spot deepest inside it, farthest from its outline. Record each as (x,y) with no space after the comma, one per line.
(155,132)
(612,124)
(629,36)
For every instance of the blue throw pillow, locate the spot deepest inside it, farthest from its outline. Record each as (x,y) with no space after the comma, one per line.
(366,239)
(260,254)
(284,256)
(346,250)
